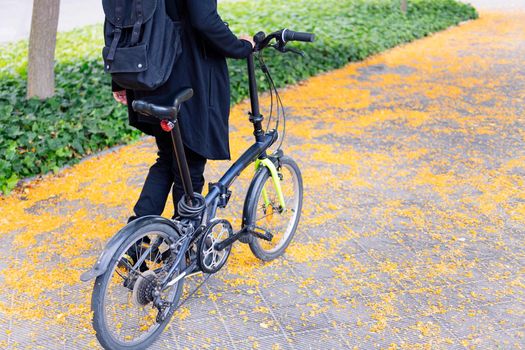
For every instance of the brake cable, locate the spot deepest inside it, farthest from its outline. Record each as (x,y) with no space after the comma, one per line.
(279,102)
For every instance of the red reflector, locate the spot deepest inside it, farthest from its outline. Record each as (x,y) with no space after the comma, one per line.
(166,125)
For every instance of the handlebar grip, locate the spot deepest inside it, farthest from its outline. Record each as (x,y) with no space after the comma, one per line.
(290,35)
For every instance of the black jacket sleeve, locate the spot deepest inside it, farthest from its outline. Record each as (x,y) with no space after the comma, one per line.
(115,86)
(205,19)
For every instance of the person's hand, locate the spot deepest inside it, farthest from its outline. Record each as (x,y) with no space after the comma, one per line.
(248,39)
(120,96)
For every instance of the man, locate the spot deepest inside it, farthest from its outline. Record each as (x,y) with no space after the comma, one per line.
(206,43)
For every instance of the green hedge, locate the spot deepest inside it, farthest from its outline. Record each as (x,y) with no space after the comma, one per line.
(40,136)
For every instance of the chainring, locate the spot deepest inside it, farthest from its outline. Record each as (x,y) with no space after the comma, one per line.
(211,260)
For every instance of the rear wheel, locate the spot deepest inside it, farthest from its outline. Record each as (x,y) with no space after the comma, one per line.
(124,314)
(264,210)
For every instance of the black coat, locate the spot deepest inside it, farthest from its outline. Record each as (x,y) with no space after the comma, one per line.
(206,42)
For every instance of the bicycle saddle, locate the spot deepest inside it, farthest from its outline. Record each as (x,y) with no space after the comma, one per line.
(163,112)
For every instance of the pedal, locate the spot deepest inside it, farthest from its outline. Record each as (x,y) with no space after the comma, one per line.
(266,235)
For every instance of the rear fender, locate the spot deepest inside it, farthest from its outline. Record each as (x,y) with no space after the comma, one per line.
(103,261)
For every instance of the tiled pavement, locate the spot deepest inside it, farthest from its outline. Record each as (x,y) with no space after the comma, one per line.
(412,231)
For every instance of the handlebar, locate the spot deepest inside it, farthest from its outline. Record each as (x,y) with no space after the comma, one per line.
(282,37)
(290,35)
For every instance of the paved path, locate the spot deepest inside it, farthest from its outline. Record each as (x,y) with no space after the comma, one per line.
(15,17)
(412,231)
(507,5)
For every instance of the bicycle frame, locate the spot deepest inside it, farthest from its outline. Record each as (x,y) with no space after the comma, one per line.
(218,192)
(217,195)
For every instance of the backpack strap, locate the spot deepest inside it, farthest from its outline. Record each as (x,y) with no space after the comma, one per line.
(119,7)
(138,23)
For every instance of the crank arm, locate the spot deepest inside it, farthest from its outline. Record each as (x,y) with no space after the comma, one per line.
(266,235)
(230,240)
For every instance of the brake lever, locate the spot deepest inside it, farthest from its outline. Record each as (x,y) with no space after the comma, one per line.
(294,50)
(284,49)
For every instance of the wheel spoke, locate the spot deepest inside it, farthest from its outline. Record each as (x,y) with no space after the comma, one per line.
(280,222)
(128,313)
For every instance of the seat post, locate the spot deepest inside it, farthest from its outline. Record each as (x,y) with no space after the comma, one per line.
(178,148)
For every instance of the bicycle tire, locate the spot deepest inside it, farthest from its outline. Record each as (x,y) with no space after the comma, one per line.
(263,180)
(103,335)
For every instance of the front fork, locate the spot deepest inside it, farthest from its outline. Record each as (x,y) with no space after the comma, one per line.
(276,182)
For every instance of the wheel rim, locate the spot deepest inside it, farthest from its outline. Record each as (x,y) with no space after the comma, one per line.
(270,218)
(127,321)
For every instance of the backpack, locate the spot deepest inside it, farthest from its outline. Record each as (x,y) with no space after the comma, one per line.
(141,43)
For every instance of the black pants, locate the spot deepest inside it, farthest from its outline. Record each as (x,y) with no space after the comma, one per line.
(164,177)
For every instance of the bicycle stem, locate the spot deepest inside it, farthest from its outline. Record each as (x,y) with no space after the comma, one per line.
(255,116)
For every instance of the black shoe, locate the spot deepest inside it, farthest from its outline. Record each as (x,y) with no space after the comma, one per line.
(132,218)
(130,258)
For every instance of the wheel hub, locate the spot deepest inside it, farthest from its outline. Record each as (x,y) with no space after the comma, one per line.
(144,287)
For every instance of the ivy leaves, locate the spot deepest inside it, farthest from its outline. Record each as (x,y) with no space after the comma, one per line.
(37,137)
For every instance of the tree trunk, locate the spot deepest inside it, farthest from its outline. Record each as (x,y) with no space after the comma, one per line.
(42,43)
(404,6)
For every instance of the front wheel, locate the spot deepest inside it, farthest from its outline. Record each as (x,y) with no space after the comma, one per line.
(263,209)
